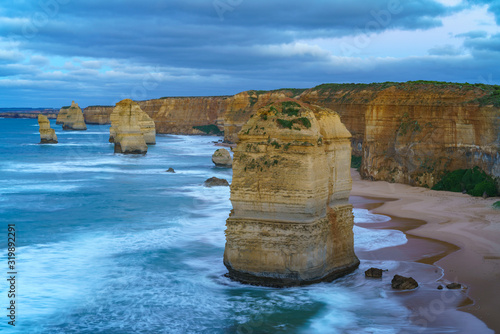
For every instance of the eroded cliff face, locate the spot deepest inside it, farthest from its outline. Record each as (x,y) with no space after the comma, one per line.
(174,115)
(291,223)
(97,114)
(178,115)
(412,136)
(406,132)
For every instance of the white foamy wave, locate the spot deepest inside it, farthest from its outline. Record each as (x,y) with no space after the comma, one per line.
(365,216)
(369,239)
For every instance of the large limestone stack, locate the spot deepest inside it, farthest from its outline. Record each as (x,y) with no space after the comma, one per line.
(72,118)
(127,134)
(145,123)
(47,135)
(291,222)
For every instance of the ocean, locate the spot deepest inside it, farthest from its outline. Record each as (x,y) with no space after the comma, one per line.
(111,243)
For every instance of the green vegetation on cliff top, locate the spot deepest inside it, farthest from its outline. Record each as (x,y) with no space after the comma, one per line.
(489,94)
(473,181)
(209,129)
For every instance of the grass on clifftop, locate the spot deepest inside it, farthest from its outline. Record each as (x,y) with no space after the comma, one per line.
(473,181)
(209,129)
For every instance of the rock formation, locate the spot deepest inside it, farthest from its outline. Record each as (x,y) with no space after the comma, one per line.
(72,118)
(216,182)
(127,134)
(403,283)
(406,132)
(47,135)
(291,222)
(97,114)
(61,116)
(145,123)
(222,158)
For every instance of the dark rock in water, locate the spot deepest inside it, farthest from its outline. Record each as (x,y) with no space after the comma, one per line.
(216,182)
(440,287)
(454,285)
(403,283)
(170,170)
(374,272)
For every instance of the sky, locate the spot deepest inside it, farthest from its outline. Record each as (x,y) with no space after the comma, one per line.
(99,52)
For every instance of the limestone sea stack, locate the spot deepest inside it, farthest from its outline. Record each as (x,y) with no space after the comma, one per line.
(47,135)
(61,116)
(222,158)
(72,119)
(145,123)
(291,222)
(128,137)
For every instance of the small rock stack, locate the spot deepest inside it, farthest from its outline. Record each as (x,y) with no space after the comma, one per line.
(47,134)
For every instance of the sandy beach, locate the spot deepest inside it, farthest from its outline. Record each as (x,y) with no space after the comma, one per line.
(470,231)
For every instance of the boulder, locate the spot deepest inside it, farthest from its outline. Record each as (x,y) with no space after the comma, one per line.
(453,286)
(170,170)
(128,136)
(374,273)
(72,119)
(403,283)
(222,158)
(47,135)
(216,182)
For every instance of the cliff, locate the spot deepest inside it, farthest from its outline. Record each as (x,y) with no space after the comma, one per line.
(291,223)
(406,132)
(175,115)
(97,114)
(47,135)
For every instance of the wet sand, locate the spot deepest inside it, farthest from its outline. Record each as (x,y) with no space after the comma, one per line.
(454,238)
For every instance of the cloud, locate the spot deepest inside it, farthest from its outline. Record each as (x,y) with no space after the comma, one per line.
(445,50)
(98,51)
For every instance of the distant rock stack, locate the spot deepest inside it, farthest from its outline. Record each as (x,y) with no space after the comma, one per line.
(72,118)
(61,116)
(145,123)
(125,130)
(47,135)
(222,158)
(291,222)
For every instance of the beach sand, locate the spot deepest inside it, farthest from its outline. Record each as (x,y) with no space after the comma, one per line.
(461,235)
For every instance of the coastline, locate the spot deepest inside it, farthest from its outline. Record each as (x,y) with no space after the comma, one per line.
(468,225)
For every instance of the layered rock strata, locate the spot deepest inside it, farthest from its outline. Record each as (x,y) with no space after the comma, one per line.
(145,123)
(47,134)
(97,114)
(72,118)
(222,158)
(127,134)
(291,222)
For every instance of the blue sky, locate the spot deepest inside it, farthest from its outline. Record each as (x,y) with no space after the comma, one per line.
(100,52)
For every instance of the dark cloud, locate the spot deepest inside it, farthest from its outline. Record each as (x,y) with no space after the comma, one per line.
(491,43)
(210,47)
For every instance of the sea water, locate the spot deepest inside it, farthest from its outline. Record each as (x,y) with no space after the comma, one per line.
(111,243)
